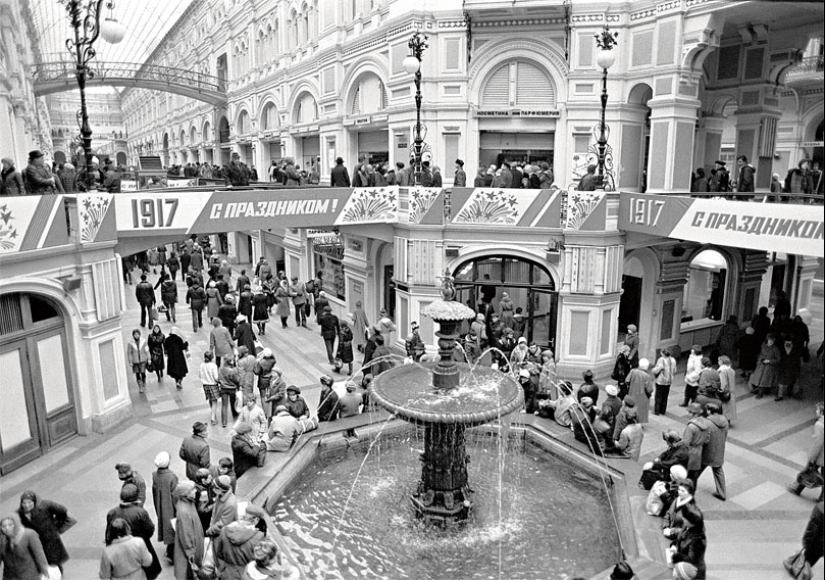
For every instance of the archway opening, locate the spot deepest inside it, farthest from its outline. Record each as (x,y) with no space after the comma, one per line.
(121,158)
(482,282)
(635,159)
(704,293)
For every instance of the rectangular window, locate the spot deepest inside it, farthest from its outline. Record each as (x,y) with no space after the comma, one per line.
(107,361)
(728,62)
(332,270)
(579,321)
(452,50)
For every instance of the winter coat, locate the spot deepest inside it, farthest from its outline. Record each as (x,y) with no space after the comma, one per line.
(245,336)
(169,292)
(246,372)
(228,313)
(260,308)
(11,183)
(46,519)
(350,404)
(329,326)
(298,291)
(727,382)
(789,365)
(664,370)
(630,441)
(23,559)
(176,348)
(621,368)
(677,454)
(145,294)
(196,261)
(124,559)
(640,387)
(748,346)
(691,545)
(38,180)
(155,342)
(282,299)
(674,518)
(188,539)
(766,374)
(229,378)
(224,513)
(142,527)
(137,352)
(696,435)
(234,549)
(213,302)
(195,452)
(345,345)
(507,308)
(385,363)
(283,430)
(163,484)
(816,453)
(328,405)
(220,341)
(713,454)
(196,298)
(244,454)
(360,323)
(726,341)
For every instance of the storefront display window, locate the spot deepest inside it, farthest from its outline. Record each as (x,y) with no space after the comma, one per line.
(704,292)
(327,256)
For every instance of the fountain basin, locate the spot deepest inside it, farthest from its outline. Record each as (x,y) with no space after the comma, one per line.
(482,395)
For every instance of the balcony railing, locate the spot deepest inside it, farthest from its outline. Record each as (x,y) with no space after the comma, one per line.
(810,69)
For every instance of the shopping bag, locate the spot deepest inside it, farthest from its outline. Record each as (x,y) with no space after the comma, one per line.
(54,574)
(207,570)
(153,313)
(798,567)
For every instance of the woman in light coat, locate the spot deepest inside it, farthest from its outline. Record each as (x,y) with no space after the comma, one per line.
(630,439)
(360,323)
(213,300)
(727,381)
(220,341)
(126,556)
(282,299)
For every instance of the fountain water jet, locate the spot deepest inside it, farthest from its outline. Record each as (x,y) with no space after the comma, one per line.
(445,400)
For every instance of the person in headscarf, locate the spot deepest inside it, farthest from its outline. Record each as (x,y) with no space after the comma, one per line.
(268,566)
(21,552)
(176,349)
(164,482)
(46,518)
(188,532)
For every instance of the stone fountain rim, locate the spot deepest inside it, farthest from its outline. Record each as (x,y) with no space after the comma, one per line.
(429,416)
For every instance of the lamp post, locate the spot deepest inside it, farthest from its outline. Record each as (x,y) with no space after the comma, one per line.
(85,19)
(606,40)
(412,64)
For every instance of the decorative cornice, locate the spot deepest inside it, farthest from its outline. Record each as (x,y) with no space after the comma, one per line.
(585,18)
(517,22)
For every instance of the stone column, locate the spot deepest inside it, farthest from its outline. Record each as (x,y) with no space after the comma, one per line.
(708,143)
(672,126)
(756,139)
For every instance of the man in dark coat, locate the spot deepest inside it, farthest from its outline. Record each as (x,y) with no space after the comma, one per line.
(169,297)
(185,261)
(588,388)
(11,180)
(45,517)
(38,177)
(145,294)
(590,181)
(745,182)
(244,335)
(131,477)
(242,282)
(244,451)
(330,328)
(339,176)
(196,299)
(139,521)
(195,450)
(237,174)
(328,404)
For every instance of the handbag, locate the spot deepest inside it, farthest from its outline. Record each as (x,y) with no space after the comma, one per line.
(261,454)
(207,569)
(798,567)
(66,525)
(810,476)
(153,313)
(724,396)
(162,308)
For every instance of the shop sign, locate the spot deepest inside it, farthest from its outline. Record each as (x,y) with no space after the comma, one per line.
(363,121)
(334,250)
(314,233)
(771,227)
(356,245)
(812,144)
(547,114)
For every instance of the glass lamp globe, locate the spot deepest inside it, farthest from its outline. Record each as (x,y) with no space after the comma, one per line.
(411,64)
(112,31)
(605,59)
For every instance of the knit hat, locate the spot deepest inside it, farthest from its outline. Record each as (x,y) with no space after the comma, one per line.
(629,401)
(644,364)
(695,409)
(223,482)
(199,427)
(326,380)
(587,375)
(162,459)
(129,493)
(123,470)
(522,340)
(611,390)
(632,328)
(685,570)
(267,353)
(678,472)
(243,428)
(242,351)
(524,373)
(293,389)
(184,488)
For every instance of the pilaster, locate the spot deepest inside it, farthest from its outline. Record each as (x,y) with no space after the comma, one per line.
(672,128)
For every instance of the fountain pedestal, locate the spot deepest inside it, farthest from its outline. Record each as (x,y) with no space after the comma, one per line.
(445,405)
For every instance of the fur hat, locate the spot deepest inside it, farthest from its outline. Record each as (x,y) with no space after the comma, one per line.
(223,482)
(162,460)
(611,390)
(129,493)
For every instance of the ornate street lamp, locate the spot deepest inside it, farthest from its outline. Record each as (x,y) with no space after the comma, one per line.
(412,64)
(85,19)
(606,40)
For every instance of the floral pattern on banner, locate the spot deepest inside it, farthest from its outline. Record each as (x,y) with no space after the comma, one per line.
(370,204)
(490,206)
(579,205)
(92,209)
(9,237)
(421,200)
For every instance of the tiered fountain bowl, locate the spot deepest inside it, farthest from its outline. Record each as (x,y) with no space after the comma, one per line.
(445,399)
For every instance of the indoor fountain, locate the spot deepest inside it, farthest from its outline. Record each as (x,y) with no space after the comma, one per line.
(445,402)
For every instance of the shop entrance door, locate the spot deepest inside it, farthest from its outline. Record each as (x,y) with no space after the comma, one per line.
(19,431)
(630,304)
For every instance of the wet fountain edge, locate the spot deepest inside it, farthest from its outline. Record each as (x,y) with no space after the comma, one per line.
(266,486)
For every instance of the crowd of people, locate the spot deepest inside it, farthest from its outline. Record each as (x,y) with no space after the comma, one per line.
(39,178)
(805,178)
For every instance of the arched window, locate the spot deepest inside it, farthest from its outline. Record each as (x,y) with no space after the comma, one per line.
(518,84)
(260,49)
(482,282)
(306,110)
(244,126)
(270,118)
(370,96)
(703,297)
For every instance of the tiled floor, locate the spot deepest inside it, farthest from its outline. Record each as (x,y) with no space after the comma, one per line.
(749,535)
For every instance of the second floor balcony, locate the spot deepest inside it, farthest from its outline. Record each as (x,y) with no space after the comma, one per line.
(807,74)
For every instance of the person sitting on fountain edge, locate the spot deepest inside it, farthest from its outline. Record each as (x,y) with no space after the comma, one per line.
(560,408)
(675,454)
